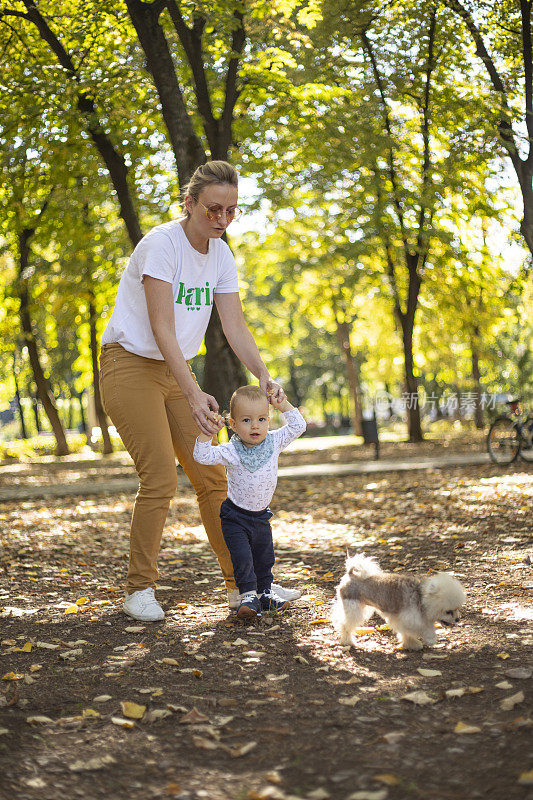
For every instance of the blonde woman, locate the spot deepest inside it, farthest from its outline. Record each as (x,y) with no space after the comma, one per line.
(164,301)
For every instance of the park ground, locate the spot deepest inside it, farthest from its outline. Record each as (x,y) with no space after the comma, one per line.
(94,705)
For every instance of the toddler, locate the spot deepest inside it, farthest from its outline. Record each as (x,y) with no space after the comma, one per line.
(251,461)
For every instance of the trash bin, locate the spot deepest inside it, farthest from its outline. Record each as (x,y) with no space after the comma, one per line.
(371,434)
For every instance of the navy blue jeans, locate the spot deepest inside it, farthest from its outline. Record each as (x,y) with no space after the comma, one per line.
(248,536)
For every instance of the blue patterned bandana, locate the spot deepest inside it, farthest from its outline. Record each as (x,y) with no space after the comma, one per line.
(254,457)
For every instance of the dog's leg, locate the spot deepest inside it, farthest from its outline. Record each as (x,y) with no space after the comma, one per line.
(429,635)
(347,615)
(407,642)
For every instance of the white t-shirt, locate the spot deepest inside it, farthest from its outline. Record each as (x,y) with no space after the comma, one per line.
(166,253)
(252,490)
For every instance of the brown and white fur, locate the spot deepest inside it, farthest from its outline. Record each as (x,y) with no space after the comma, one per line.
(410,605)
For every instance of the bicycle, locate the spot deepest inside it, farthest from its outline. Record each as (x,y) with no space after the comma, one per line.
(511,435)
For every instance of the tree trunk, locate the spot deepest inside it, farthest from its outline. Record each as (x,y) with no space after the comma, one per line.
(83,422)
(343,337)
(98,407)
(223,372)
(23,430)
(476,378)
(35,408)
(186,145)
(113,160)
(411,382)
(43,387)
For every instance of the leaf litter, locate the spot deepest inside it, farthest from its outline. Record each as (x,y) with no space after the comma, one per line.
(267,692)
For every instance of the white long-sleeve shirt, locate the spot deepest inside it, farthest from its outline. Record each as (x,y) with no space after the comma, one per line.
(252,490)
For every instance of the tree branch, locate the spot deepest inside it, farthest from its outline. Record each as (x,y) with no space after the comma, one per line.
(525,10)
(392,167)
(422,237)
(231,93)
(191,41)
(505,127)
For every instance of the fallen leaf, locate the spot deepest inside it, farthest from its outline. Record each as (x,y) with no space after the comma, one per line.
(171,661)
(526,778)
(271,677)
(380,794)
(388,778)
(510,702)
(239,642)
(156,714)
(519,673)
(173,788)
(37,719)
(420,698)
(463,727)
(204,744)
(123,723)
(92,764)
(393,737)
(12,676)
(132,710)
(102,698)
(47,646)
(87,713)
(429,673)
(237,752)
(3,731)
(193,717)
(135,628)
(82,601)
(267,793)
(71,654)
(455,692)
(503,656)
(318,794)
(72,609)
(504,685)
(349,701)
(35,667)
(24,649)
(319,621)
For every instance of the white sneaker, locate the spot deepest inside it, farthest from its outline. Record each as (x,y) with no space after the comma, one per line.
(285,594)
(143,606)
(234,599)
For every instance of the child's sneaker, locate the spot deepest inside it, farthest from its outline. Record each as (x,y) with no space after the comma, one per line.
(249,607)
(270,601)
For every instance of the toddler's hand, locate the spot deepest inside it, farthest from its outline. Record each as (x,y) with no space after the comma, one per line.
(275,393)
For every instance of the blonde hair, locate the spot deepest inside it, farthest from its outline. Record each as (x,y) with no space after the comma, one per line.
(211,173)
(248,393)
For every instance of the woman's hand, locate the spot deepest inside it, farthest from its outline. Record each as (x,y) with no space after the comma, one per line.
(204,409)
(272,389)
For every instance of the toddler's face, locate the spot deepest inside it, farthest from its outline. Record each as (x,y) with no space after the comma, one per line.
(250,421)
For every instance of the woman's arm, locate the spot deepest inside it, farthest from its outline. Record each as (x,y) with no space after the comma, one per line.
(160,306)
(242,342)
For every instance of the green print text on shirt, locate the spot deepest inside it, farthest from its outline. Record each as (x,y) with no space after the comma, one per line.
(195,297)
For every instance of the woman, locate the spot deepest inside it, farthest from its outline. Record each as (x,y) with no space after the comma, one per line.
(164,301)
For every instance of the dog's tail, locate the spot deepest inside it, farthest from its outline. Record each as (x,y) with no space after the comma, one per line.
(363,566)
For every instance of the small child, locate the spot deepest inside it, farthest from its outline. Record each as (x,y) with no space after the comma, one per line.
(251,461)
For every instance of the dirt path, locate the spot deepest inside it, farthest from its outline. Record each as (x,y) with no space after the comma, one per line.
(282,710)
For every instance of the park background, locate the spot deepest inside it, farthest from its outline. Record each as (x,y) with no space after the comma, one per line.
(385,159)
(384,259)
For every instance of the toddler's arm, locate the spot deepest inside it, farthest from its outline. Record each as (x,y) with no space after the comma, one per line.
(205,453)
(294,427)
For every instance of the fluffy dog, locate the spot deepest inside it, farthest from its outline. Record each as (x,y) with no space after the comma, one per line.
(411,606)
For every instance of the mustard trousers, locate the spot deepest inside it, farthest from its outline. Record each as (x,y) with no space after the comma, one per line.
(154,420)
